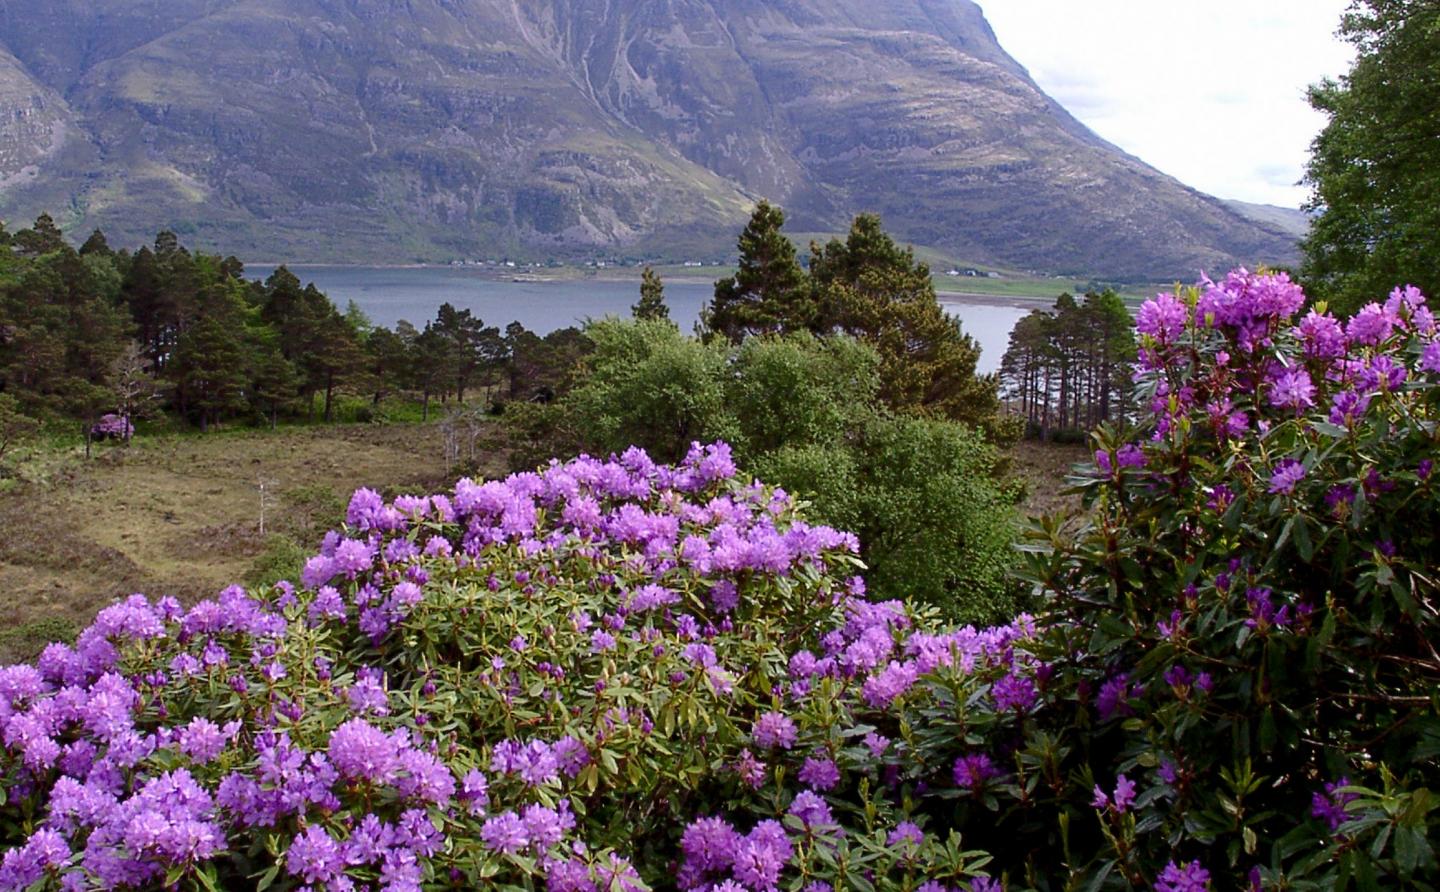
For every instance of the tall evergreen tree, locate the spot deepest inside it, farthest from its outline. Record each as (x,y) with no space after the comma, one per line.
(333,359)
(387,359)
(870,288)
(429,366)
(95,244)
(1068,369)
(769,293)
(468,346)
(42,238)
(652,297)
(209,371)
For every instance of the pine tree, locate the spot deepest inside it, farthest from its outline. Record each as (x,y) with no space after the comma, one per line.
(1068,369)
(652,297)
(334,358)
(387,358)
(770,293)
(42,238)
(95,244)
(209,371)
(870,288)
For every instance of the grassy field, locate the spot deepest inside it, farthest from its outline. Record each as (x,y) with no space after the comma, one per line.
(1044,466)
(180,515)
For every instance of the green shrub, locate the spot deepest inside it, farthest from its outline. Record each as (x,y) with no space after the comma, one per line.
(283,558)
(805,413)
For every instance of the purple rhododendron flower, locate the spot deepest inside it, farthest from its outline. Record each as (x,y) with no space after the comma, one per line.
(775,729)
(811,809)
(315,856)
(1286,475)
(1430,358)
(820,773)
(1329,806)
(1013,692)
(1292,389)
(1372,325)
(1130,456)
(971,772)
(1162,318)
(1190,877)
(505,833)
(905,832)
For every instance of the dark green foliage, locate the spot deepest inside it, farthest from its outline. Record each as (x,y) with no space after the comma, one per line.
(99,331)
(935,523)
(467,346)
(1068,370)
(387,361)
(95,244)
(538,369)
(59,333)
(15,425)
(1375,169)
(769,294)
(870,288)
(283,558)
(21,643)
(42,238)
(209,371)
(650,386)
(652,297)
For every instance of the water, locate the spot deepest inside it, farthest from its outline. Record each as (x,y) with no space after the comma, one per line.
(388,295)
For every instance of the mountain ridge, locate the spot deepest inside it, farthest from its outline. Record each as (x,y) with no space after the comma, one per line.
(434,129)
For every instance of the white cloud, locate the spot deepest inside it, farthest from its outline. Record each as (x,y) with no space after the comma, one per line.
(1211,93)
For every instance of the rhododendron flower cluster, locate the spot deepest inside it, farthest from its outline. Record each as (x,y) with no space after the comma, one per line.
(112,427)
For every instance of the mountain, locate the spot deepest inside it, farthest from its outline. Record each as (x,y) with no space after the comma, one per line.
(387,130)
(1291,221)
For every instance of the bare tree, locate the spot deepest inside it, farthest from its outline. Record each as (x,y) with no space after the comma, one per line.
(134,385)
(267,498)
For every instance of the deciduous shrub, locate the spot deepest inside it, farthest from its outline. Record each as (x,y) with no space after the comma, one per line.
(926,496)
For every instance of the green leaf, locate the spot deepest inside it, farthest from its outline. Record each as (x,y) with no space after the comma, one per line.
(267,879)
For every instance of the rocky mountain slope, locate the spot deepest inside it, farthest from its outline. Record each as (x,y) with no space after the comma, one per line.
(428,129)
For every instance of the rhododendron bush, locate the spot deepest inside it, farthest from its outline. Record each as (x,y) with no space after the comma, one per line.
(611,674)
(534,682)
(1247,629)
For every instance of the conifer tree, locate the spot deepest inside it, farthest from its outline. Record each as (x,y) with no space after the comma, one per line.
(209,371)
(95,244)
(770,293)
(42,238)
(870,288)
(652,297)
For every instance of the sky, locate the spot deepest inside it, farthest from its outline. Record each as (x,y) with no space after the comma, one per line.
(1211,93)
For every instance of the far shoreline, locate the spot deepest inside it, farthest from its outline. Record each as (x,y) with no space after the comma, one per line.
(573,275)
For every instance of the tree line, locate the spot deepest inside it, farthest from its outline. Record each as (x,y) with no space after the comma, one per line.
(97,331)
(1067,370)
